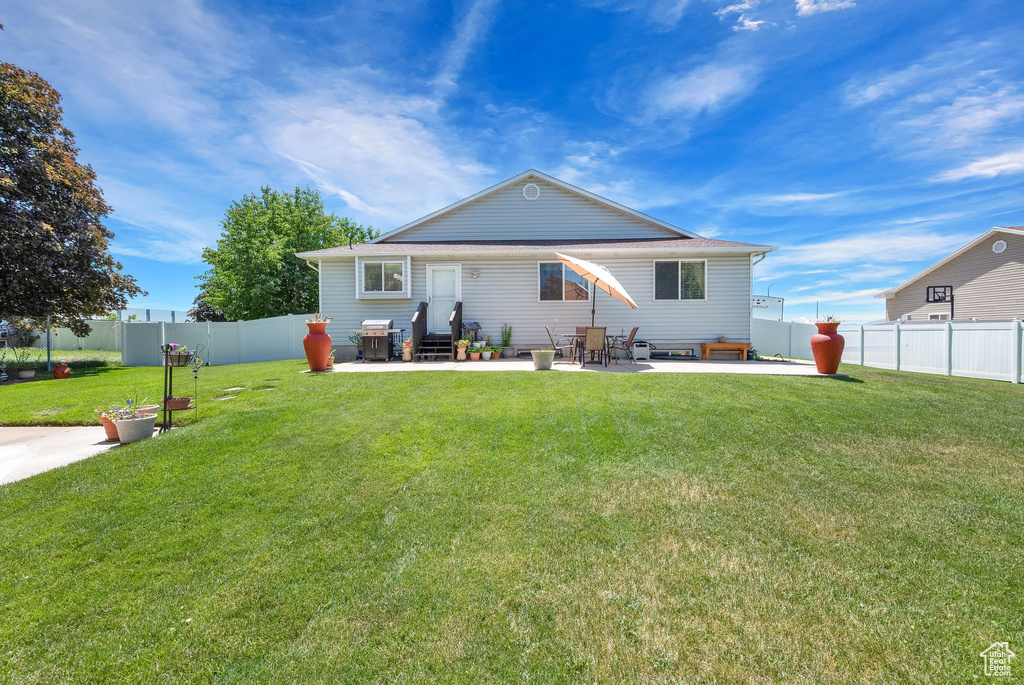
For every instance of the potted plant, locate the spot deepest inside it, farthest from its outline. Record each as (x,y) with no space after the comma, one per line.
(827,345)
(407,350)
(461,346)
(108,425)
(330,360)
(132,422)
(542,359)
(26,369)
(485,352)
(179,355)
(61,370)
(174,403)
(507,350)
(317,343)
(474,353)
(495,352)
(357,340)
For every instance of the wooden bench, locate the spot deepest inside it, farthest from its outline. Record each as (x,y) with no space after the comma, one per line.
(739,348)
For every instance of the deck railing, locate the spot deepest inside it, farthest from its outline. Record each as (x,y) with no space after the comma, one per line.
(455,321)
(419,328)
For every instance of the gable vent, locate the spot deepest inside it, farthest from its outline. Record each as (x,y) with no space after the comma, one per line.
(531,191)
(999,246)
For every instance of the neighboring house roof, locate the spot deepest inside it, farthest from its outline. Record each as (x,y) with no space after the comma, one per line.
(541,246)
(544,177)
(1009,230)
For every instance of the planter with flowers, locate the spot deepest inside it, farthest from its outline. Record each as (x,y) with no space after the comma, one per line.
(475,352)
(131,421)
(407,350)
(179,355)
(460,349)
(827,345)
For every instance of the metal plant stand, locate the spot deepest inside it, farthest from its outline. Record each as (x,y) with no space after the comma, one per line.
(172,360)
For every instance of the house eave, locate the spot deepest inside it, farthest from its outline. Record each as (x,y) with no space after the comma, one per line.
(746,250)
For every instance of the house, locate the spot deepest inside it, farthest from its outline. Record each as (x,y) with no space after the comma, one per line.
(984,279)
(491,259)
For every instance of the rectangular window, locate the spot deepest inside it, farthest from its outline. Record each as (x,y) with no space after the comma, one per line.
(380,278)
(559,282)
(680,280)
(937,317)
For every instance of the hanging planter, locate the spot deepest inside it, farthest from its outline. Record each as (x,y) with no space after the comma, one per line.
(178,355)
(177,403)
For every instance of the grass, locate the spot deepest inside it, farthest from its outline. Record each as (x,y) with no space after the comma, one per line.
(514,526)
(75,359)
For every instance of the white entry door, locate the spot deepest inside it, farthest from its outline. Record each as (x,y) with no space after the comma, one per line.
(444,289)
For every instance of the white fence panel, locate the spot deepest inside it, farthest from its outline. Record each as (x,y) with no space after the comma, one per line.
(923,348)
(105,335)
(237,342)
(879,347)
(789,339)
(984,350)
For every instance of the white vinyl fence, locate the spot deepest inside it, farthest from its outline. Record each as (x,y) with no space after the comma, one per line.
(786,338)
(973,349)
(238,342)
(105,335)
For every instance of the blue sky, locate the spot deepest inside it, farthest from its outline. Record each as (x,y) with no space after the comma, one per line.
(865,138)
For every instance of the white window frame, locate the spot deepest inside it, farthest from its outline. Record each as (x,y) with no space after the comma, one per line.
(404,294)
(563,300)
(679,278)
(938,316)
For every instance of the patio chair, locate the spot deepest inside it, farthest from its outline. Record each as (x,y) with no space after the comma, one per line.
(561,345)
(624,346)
(596,342)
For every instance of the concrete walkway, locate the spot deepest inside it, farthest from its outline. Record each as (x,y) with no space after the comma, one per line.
(30,450)
(779,368)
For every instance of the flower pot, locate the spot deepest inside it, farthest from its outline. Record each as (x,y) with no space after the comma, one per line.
(486,354)
(27,373)
(460,354)
(495,354)
(61,371)
(179,358)
(317,345)
(827,346)
(177,403)
(508,352)
(109,427)
(474,355)
(543,359)
(133,430)
(723,339)
(406,354)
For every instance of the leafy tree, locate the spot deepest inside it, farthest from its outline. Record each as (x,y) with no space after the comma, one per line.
(202,310)
(254,272)
(54,249)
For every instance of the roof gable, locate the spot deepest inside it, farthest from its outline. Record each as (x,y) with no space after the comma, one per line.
(1006,230)
(553,209)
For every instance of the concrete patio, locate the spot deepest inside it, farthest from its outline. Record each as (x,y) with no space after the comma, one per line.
(789,367)
(26,451)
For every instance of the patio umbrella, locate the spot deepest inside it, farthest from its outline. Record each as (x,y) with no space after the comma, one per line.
(601,278)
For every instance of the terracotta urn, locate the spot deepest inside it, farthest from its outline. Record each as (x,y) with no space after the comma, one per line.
(460,353)
(317,345)
(109,427)
(61,371)
(827,346)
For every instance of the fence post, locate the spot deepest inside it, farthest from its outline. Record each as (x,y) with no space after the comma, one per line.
(949,348)
(1015,365)
(163,334)
(896,346)
(209,343)
(241,342)
(862,345)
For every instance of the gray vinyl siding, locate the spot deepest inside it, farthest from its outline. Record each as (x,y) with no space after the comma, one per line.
(986,285)
(506,291)
(556,214)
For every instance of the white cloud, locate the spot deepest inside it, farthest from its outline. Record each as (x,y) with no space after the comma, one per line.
(704,88)
(1011,162)
(885,247)
(931,219)
(664,13)
(786,198)
(832,296)
(383,153)
(471,30)
(747,23)
(808,7)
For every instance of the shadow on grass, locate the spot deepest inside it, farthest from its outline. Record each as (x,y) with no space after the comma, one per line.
(842,377)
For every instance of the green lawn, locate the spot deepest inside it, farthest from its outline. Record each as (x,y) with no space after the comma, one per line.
(522,527)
